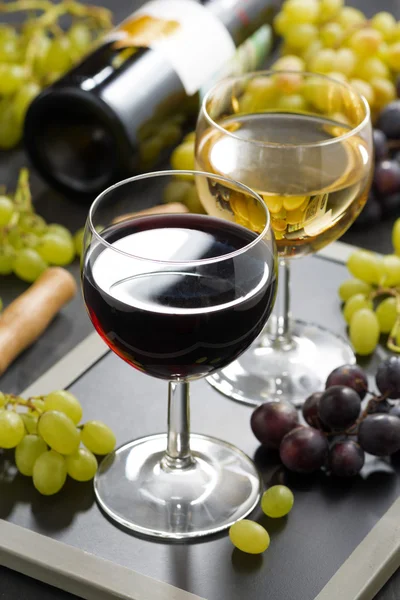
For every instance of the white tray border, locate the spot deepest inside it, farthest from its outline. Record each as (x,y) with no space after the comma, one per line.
(90,577)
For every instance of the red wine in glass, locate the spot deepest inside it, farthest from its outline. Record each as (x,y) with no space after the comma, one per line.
(174,321)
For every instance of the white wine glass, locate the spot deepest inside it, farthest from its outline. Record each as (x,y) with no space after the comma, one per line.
(303,141)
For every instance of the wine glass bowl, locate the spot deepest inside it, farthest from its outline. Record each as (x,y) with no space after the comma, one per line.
(178,296)
(303,141)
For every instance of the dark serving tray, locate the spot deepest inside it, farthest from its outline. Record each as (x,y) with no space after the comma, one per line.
(340,542)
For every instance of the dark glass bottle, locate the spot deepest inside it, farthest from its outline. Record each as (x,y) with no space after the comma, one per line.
(119,110)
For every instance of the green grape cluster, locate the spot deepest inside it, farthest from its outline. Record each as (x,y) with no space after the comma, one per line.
(49,443)
(38,51)
(331,38)
(28,245)
(251,537)
(371,298)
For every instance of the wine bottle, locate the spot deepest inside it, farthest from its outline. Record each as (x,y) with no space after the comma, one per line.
(125,104)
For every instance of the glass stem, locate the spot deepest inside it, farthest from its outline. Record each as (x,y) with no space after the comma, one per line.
(279,329)
(178,455)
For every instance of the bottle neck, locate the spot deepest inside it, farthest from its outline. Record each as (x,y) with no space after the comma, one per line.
(243,17)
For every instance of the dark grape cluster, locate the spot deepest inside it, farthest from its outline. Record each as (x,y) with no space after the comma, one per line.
(384,197)
(339,428)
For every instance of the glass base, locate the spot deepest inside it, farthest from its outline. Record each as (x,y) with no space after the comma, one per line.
(273,372)
(137,489)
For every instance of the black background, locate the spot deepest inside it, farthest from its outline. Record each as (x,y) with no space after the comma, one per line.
(72,325)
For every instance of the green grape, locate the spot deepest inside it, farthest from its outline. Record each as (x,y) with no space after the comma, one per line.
(78,241)
(29,240)
(386,314)
(38,403)
(345,61)
(58,56)
(249,537)
(3,399)
(354,304)
(56,250)
(42,48)
(27,452)
(170,133)
(9,51)
(331,35)
(177,191)
(364,331)
(193,201)
(385,23)
(6,210)
(365,265)
(32,223)
(393,56)
(12,429)
(372,67)
(150,149)
(300,36)
(10,130)
(23,98)
(323,61)
(329,9)
(11,78)
(82,465)
(80,37)
(7,32)
(1,308)
(289,63)
(396,237)
(277,501)
(28,265)
(363,88)
(30,422)
(7,256)
(183,157)
(64,402)
(351,287)
(301,11)
(292,102)
(59,230)
(281,24)
(350,17)
(365,42)
(14,238)
(59,432)
(384,91)
(49,473)
(98,437)
(390,270)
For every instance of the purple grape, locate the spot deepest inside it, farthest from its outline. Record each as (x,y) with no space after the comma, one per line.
(380,145)
(388,377)
(271,421)
(346,458)
(370,214)
(389,120)
(395,410)
(339,407)
(390,205)
(304,450)
(387,177)
(351,376)
(380,434)
(310,410)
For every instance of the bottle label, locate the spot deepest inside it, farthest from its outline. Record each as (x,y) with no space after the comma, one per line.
(248,57)
(193,40)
